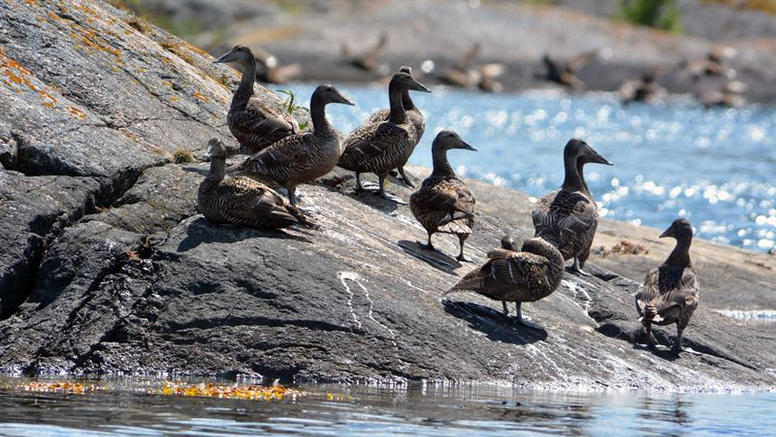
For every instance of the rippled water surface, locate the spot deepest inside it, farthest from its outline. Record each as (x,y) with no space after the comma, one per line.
(124,409)
(717,168)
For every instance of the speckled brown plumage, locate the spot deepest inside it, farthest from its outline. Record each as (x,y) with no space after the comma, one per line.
(568,217)
(670,292)
(511,276)
(302,157)
(255,123)
(380,147)
(444,203)
(242,201)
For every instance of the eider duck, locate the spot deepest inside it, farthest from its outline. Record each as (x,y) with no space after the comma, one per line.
(644,89)
(460,74)
(380,147)
(670,292)
(254,122)
(240,200)
(564,73)
(413,113)
(568,216)
(444,203)
(712,65)
(728,96)
(367,61)
(511,276)
(303,157)
(270,70)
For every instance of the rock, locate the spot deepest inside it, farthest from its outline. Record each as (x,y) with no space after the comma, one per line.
(118,275)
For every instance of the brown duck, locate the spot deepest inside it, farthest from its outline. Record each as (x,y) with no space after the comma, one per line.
(380,147)
(242,201)
(670,292)
(444,203)
(303,157)
(413,113)
(255,123)
(564,72)
(568,216)
(516,276)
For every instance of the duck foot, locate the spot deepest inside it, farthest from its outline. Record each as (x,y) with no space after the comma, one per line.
(688,350)
(462,258)
(428,246)
(528,323)
(393,199)
(575,270)
(405,179)
(367,186)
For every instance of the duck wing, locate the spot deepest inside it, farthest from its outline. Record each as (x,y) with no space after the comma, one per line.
(291,154)
(449,195)
(664,300)
(506,274)
(565,216)
(249,202)
(376,147)
(378,116)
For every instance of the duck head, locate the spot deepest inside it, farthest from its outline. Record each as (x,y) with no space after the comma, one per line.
(215,149)
(579,151)
(680,229)
(328,94)
(508,243)
(404,81)
(239,54)
(447,140)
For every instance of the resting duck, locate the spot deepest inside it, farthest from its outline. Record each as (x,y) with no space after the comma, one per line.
(568,216)
(444,203)
(564,72)
(511,276)
(254,122)
(380,147)
(303,157)
(670,292)
(728,96)
(242,201)
(644,89)
(413,113)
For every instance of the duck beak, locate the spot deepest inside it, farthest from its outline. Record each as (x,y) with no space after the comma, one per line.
(417,86)
(668,233)
(226,57)
(598,159)
(342,99)
(466,146)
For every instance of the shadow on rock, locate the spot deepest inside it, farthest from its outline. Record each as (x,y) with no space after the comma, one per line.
(202,231)
(493,323)
(435,258)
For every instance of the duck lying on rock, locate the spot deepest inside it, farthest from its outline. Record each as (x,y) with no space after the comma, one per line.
(670,292)
(302,157)
(509,275)
(380,147)
(444,203)
(413,113)
(568,216)
(255,123)
(240,200)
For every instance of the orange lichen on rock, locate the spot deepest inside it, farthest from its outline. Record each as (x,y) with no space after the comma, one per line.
(210,390)
(77,113)
(59,387)
(201,97)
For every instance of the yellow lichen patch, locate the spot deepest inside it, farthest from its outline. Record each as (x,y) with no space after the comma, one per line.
(246,392)
(77,113)
(59,387)
(201,97)
(174,98)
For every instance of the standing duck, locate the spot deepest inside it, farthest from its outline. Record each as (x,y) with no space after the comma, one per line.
(242,201)
(444,203)
(380,147)
(511,276)
(413,113)
(302,157)
(568,216)
(254,122)
(670,292)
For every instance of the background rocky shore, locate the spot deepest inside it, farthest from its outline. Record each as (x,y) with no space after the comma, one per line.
(105,266)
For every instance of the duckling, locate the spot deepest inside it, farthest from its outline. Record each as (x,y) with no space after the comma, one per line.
(564,72)
(444,203)
(568,216)
(303,157)
(367,61)
(241,200)
(670,292)
(415,116)
(254,122)
(380,147)
(511,276)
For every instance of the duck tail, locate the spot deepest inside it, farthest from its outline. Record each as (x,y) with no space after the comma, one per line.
(301,218)
(649,312)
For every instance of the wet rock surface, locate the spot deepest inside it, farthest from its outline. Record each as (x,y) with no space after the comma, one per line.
(114,272)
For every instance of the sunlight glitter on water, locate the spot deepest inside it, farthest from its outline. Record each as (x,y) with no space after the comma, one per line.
(716,168)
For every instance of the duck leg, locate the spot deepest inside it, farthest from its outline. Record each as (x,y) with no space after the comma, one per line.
(461,239)
(291,194)
(506,310)
(428,246)
(381,192)
(406,180)
(677,347)
(576,268)
(650,342)
(527,323)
